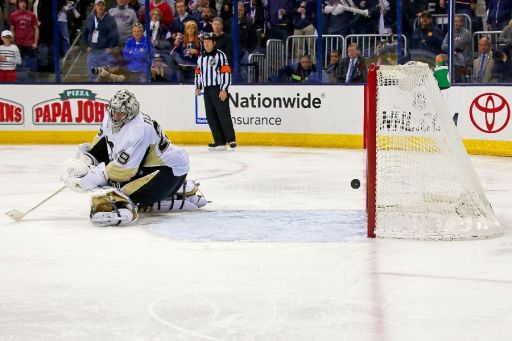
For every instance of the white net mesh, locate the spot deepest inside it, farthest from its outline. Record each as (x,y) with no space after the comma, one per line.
(426,185)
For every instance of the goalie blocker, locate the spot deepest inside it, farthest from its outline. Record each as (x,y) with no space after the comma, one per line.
(135,166)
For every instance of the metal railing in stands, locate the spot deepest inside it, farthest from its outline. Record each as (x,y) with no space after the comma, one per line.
(492,35)
(370,44)
(74,48)
(441,21)
(276,58)
(257,71)
(297,46)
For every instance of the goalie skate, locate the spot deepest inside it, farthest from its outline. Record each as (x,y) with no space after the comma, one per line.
(188,198)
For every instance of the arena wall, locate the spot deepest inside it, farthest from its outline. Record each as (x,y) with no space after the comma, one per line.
(276,115)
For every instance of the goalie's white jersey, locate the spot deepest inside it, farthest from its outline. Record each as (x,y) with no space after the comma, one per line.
(139,143)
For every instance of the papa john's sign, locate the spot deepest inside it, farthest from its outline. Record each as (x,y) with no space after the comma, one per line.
(489,112)
(72,107)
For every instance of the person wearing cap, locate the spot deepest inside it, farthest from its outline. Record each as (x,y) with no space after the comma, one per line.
(223,41)
(25,30)
(9,58)
(213,77)
(101,37)
(426,37)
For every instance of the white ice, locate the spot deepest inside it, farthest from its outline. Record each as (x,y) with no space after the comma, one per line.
(280,254)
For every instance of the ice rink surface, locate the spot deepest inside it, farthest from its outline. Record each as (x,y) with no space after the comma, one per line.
(280,254)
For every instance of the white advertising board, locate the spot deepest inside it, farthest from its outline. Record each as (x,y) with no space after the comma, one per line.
(484,113)
(315,109)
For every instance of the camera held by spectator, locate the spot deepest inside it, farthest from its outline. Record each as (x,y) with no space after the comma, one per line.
(106,74)
(502,67)
(158,68)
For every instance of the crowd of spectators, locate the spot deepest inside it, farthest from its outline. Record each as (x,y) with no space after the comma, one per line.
(113,33)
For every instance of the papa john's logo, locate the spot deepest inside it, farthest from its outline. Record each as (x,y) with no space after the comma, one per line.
(489,112)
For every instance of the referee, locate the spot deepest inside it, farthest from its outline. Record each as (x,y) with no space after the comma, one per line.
(213,76)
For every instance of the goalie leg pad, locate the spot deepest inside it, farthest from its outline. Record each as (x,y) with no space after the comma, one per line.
(112,208)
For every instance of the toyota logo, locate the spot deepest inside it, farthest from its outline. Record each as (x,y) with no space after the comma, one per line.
(489,112)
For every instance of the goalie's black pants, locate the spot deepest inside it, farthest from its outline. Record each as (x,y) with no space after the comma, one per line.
(218,116)
(153,184)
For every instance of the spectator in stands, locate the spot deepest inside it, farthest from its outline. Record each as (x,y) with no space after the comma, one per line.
(44,54)
(182,16)
(411,10)
(135,54)
(427,38)
(224,10)
(205,23)
(498,14)
(163,6)
(506,34)
(9,58)
(353,67)
(196,9)
(482,66)
(298,72)
(386,14)
(277,19)
(255,12)
(462,48)
(224,41)
(159,69)
(247,36)
(467,7)
(302,12)
(134,4)
(8,7)
(187,48)
(125,18)
(248,41)
(338,20)
(25,27)
(101,36)
(62,19)
(502,67)
(333,69)
(158,32)
(364,24)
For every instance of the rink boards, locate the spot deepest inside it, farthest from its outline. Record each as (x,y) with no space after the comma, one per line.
(279,115)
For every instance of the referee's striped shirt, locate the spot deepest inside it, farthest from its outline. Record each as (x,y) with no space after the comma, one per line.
(213,70)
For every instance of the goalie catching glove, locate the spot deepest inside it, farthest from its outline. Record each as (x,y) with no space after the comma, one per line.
(79,175)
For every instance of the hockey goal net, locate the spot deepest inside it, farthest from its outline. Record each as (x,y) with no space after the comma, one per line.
(421,183)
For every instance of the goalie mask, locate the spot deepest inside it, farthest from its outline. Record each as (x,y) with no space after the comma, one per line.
(122,102)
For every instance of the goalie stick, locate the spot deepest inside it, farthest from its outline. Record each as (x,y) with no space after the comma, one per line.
(17,215)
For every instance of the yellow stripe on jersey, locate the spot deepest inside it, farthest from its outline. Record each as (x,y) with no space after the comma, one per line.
(152,159)
(135,185)
(119,174)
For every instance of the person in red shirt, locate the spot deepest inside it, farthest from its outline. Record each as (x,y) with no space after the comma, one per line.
(25,27)
(163,6)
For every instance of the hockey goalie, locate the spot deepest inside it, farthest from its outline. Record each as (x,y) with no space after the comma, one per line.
(131,167)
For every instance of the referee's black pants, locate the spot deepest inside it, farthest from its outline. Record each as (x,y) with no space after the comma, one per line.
(218,116)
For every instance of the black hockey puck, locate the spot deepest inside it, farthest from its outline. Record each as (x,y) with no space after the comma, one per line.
(355,183)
